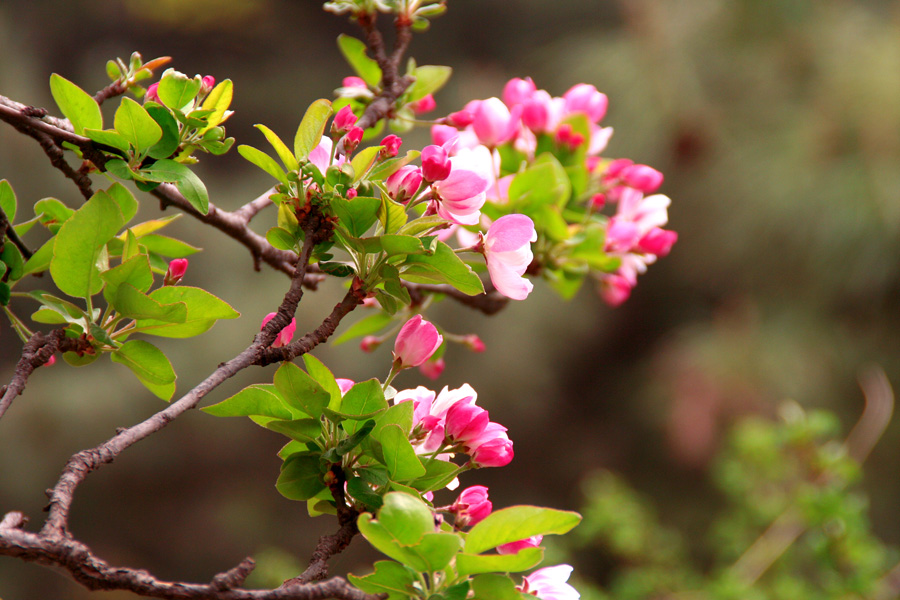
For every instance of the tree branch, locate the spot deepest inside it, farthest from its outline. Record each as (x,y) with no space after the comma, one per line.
(7,231)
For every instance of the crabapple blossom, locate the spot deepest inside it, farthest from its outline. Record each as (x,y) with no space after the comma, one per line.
(549,583)
(514,547)
(492,448)
(585,98)
(473,343)
(465,422)
(432,369)
(284,336)
(657,241)
(614,289)
(344,384)
(343,120)
(417,341)
(460,118)
(436,164)
(369,343)
(404,183)
(152,95)
(424,104)
(494,123)
(391,145)
(507,252)
(517,90)
(207,84)
(175,272)
(642,177)
(472,506)
(460,196)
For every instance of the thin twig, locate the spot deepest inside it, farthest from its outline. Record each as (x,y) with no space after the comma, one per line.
(7,230)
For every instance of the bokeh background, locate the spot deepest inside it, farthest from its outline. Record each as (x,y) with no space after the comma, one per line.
(777,124)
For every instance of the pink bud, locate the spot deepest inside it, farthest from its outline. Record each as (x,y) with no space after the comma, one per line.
(391,145)
(658,241)
(435,163)
(461,118)
(417,341)
(592,162)
(352,193)
(50,361)
(567,137)
(585,98)
(465,422)
(175,273)
(344,120)
(354,82)
(352,140)
(497,452)
(614,168)
(284,336)
(151,95)
(517,91)
(404,183)
(424,104)
(441,134)
(598,201)
(344,384)
(472,506)
(432,369)
(474,343)
(369,343)
(494,123)
(614,289)
(642,177)
(514,547)
(207,84)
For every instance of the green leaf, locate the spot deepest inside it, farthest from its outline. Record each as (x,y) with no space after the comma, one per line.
(361,491)
(311,128)
(252,400)
(80,246)
(52,212)
(363,160)
(131,303)
(69,312)
(543,183)
(444,266)
(391,214)
(357,215)
(470,564)
(191,186)
(264,162)
(14,260)
(171,138)
(301,430)
(354,51)
(387,168)
(405,517)
(167,246)
(281,238)
(517,523)
(127,204)
(300,390)
(218,101)
(399,414)
(108,137)
(389,576)
(422,224)
(148,227)
(399,456)
(300,478)
(5,294)
(40,260)
(438,473)
(436,550)
(77,105)
(369,325)
(136,125)
(349,443)
(176,89)
(203,308)
(364,400)
(402,244)
(281,149)
(324,377)
(7,200)
(150,366)
(119,168)
(496,587)
(429,79)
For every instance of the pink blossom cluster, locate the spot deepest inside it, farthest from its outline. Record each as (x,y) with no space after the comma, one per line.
(451,422)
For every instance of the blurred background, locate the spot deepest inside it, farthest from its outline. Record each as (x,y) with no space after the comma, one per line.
(777,125)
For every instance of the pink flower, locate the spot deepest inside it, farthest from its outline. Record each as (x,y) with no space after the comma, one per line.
(492,448)
(549,583)
(461,195)
(585,98)
(542,113)
(175,272)
(472,506)
(614,289)
(494,123)
(432,369)
(344,384)
(441,134)
(465,422)
(474,343)
(657,241)
(354,82)
(351,194)
(417,341)
(369,343)
(391,145)
(152,95)
(517,91)
(507,252)
(461,118)
(514,547)
(404,183)
(642,177)
(207,84)
(284,336)
(424,104)
(343,120)
(436,164)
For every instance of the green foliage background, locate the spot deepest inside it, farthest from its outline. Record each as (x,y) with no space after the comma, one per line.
(777,124)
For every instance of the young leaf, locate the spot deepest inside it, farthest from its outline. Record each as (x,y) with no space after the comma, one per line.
(176,89)
(470,564)
(203,308)
(136,125)
(168,143)
(517,523)
(77,105)
(218,101)
(300,390)
(324,377)
(311,128)
(191,186)
(281,149)
(167,246)
(357,215)
(80,243)
(354,51)
(40,260)
(252,400)
(264,162)
(300,478)
(108,137)
(363,160)
(429,79)
(150,366)
(389,576)
(491,586)
(444,266)
(281,238)
(391,214)
(381,171)
(7,200)
(131,303)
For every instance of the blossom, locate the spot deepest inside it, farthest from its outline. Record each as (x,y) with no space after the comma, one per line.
(465,422)
(391,145)
(207,84)
(514,547)
(494,123)
(507,251)
(424,104)
(517,90)
(344,384)
(404,183)
(343,120)
(657,241)
(417,341)
(614,289)
(642,177)
(585,98)
(460,118)
(549,583)
(472,506)
(492,448)
(460,196)
(436,165)
(152,95)
(432,369)
(175,272)
(284,336)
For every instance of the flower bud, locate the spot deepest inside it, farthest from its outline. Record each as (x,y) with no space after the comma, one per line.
(351,194)
(658,241)
(517,91)
(207,84)
(614,289)
(343,120)
(474,343)
(50,361)
(441,134)
(472,506)
(585,98)
(642,177)
(369,343)
(152,95)
(344,384)
(354,82)
(514,547)
(435,164)
(284,336)
(391,145)
(174,274)
(352,140)
(424,104)
(494,123)
(404,183)
(465,422)
(461,118)
(417,341)
(432,369)
(497,452)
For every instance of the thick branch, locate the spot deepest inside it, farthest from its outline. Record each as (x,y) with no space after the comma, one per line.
(36,352)
(6,230)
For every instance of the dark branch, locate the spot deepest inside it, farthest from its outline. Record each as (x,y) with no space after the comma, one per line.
(111,91)
(6,230)
(489,303)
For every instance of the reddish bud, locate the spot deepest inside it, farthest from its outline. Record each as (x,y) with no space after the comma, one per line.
(461,118)
(435,164)
(391,145)
(474,343)
(369,343)
(343,120)
(207,84)
(424,105)
(352,193)
(176,271)
(151,95)
(354,82)
(432,369)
